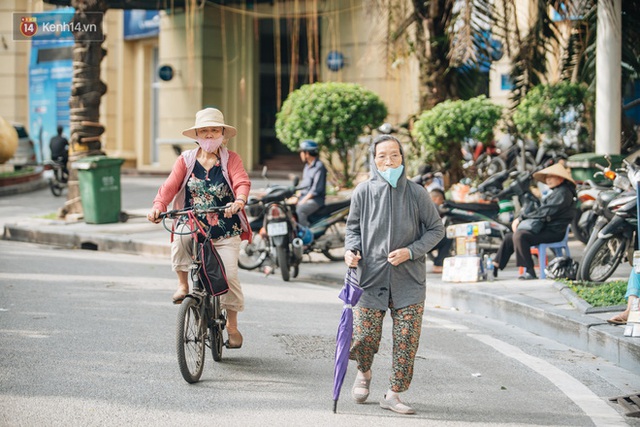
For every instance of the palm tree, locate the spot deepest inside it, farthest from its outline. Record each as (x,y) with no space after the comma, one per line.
(451,37)
(86,86)
(86,91)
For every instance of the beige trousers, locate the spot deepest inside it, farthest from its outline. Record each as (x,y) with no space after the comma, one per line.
(181,257)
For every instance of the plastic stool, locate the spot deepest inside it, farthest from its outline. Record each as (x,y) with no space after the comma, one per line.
(557,247)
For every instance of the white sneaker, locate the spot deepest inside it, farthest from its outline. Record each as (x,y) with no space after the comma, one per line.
(395,405)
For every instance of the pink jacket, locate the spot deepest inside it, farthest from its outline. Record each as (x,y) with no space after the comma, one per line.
(173,189)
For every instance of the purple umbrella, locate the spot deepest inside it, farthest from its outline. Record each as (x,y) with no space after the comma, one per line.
(350,294)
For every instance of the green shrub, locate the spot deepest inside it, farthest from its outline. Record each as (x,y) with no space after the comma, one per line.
(441,130)
(334,115)
(553,111)
(600,294)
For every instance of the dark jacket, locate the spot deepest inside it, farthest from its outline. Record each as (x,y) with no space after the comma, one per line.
(557,209)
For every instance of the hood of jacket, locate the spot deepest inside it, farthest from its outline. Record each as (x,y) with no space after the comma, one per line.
(374,173)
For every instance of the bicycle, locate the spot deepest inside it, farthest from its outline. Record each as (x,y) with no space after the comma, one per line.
(201,320)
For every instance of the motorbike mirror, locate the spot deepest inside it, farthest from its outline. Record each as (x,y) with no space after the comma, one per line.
(296,181)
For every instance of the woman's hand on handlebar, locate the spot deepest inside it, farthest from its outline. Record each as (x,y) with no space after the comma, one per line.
(154,216)
(233,208)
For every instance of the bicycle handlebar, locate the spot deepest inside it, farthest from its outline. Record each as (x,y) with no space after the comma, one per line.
(180,212)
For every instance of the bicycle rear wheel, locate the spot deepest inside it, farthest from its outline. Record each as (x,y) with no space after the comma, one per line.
(190,340)
(218,321)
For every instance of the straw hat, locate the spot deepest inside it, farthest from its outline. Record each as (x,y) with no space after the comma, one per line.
(556,170)
(210,117)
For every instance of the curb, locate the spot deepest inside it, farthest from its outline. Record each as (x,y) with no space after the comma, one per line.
(25,187)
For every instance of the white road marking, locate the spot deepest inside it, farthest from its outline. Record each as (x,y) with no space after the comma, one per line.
(593,406)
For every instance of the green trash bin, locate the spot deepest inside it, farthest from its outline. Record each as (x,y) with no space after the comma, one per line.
(583,165)
(99,179)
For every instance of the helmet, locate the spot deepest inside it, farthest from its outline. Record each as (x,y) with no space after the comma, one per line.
(562,268)
(309,146)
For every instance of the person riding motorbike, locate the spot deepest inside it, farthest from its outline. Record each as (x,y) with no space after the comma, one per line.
(313,184)
(59,146)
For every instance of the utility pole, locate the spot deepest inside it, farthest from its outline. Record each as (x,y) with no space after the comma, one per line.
(608,77)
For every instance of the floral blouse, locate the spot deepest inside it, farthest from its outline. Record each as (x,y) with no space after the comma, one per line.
(206,190)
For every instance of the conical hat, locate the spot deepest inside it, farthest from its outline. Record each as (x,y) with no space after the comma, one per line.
(556,170)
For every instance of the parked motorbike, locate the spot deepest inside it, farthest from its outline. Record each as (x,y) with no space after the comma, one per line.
(461,213)
(616,238)
(482,158)
(280,241)
(593,200)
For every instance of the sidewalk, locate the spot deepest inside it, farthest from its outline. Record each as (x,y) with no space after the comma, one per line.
(543,307)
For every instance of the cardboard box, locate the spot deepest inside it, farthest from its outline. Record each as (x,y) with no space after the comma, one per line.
(461,269)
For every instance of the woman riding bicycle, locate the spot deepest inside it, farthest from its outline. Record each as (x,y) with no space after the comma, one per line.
(207,176)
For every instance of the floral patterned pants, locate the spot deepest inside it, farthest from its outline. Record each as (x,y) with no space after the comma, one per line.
(367,333)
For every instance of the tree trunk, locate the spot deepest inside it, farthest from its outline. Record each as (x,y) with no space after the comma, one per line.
(86,91)
(431,51)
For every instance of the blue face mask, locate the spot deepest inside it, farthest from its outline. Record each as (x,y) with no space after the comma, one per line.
(391,175)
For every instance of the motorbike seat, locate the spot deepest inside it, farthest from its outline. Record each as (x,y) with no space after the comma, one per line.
(329,208)
(486,208)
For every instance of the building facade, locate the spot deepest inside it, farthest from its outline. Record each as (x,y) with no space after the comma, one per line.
(242,61)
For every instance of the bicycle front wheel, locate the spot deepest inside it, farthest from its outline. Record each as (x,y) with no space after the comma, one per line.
(190,340)
(218,321)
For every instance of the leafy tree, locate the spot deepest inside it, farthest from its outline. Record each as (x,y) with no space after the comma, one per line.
(441,130)
(552,112)
(334,115)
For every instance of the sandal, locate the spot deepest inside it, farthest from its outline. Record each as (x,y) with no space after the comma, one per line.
(360,383)
(179,296)
(617,320)
(234,340)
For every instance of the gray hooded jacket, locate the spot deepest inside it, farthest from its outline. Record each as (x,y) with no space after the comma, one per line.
(383,219)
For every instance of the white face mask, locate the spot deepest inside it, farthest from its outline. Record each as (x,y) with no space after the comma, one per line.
(210,145)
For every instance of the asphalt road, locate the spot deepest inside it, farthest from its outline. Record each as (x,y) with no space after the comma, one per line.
(88,338)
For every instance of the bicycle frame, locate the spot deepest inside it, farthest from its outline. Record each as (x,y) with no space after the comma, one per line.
(200,318)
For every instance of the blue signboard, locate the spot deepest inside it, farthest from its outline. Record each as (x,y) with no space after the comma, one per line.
(50,72)
(140,24)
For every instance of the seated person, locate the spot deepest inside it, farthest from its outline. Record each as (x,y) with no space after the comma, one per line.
(633,292)
(314,182)
(556,212)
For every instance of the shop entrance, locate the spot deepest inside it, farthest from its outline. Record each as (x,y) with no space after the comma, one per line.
(284,67)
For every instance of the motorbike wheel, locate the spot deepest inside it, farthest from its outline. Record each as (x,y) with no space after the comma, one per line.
(580,233)
(529,163)
(602,258)
(56,190)
(253,254)
(335,235)
(283,262)
(496,165)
